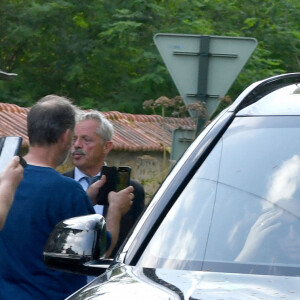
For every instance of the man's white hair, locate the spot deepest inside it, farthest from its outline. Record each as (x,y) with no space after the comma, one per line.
(105,129)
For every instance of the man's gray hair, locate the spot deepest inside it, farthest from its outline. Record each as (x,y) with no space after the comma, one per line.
(105,128)
(51,116)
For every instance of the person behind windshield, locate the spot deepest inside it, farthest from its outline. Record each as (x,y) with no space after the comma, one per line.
(274,238)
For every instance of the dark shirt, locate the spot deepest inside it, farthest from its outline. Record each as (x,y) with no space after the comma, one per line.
(43,199)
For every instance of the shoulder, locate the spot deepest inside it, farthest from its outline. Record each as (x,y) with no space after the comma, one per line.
(62,196)
(75,197)
(50,179)
(71,184)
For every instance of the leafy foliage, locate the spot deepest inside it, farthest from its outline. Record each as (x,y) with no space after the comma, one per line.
(102,55)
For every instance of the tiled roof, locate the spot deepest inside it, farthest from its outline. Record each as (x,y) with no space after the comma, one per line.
(13,121)
(132,132)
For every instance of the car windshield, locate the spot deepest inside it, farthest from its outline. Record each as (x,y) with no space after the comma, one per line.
(240,211)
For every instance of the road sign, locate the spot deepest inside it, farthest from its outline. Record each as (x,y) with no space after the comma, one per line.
(182,138)
(204,67)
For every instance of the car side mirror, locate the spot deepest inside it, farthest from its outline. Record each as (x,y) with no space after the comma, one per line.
(77,244)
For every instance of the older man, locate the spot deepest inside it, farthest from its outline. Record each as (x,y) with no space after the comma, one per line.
(91,143)
(44,198)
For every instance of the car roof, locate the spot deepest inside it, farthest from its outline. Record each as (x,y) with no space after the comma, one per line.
(266,92)
(283,101)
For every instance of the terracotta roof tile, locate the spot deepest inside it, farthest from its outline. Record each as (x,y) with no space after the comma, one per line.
(132,132)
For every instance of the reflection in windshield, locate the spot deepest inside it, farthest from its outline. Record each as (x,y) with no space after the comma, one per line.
(241,207)
(274,238)
(175,233)
(284,184)
(278,226)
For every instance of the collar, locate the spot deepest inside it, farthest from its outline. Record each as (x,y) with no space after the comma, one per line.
(79,174)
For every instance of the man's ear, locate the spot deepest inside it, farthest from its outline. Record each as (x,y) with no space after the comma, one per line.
(108,146)
(65,137)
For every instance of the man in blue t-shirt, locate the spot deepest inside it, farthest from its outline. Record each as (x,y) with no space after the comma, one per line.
(44,198)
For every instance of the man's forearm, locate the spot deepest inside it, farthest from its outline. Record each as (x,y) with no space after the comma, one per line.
(113,219)
(119,205)
(6,199)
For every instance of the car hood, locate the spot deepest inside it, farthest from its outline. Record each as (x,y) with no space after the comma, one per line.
(144,283)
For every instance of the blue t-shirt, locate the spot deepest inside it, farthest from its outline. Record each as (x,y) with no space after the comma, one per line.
(43,199)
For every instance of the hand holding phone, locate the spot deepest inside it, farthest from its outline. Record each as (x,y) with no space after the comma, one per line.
(9,147)
(110,184)
(116,180)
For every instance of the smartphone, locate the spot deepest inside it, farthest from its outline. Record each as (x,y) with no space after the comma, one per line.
(9,147)
(116,179)
(111,174)
(123,178)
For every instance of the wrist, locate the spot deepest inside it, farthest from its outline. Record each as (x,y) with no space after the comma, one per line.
(8,184)
(114,212)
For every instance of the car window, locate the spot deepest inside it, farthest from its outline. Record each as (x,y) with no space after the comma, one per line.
(240,211)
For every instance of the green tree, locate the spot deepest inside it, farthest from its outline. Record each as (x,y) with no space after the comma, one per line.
(102,55)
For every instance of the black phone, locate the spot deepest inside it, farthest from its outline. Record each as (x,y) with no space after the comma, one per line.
(123,178)
(116,179)
(111,174)
(9,147)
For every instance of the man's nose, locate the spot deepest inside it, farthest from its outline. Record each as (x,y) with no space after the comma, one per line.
(77,143)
